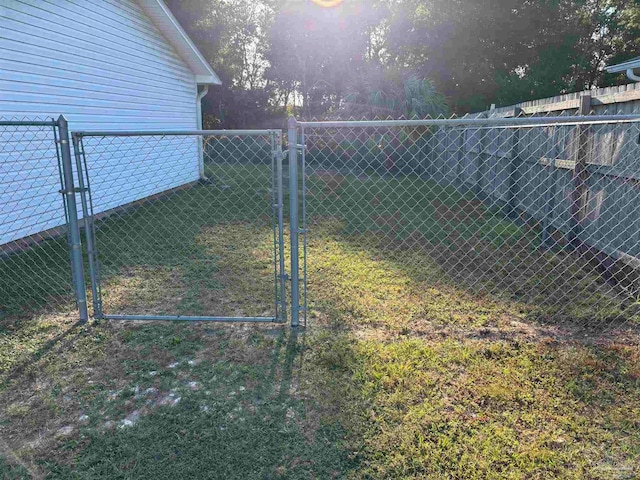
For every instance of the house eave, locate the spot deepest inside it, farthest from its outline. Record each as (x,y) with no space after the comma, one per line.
(164,20)
(207,80)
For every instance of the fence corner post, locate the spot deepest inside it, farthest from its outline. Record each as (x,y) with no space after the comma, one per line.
(75,244)
(292,137)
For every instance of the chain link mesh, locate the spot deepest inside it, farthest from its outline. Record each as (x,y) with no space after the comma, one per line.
(172,241)
(514,222)
(510,222)
(34,253)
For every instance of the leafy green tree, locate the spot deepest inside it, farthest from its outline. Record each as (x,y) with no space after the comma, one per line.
(232,36)
(505,51)
(372,57)
(461,45)
(380,93)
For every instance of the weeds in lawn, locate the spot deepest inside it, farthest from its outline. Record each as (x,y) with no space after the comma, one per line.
(483,409)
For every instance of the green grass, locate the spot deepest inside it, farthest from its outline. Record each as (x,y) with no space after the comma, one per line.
(477,409)
(235,425)
(11,472)
(413,366)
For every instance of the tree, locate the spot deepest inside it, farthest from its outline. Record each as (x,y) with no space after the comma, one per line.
(380,93)
(505,51)
(314,50)
(461,45)
(360,54)
(232,36)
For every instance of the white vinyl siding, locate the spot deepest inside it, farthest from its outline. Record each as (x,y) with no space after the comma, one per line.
(105,66)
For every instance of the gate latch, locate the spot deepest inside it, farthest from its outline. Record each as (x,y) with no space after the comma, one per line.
(74,190)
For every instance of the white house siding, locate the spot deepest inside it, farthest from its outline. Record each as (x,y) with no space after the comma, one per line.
(104,66)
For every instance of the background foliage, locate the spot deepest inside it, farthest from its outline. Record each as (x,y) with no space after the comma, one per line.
(401,57)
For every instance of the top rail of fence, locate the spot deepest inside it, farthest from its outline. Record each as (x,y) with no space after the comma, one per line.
(514,122)
(153,133)
(28,123)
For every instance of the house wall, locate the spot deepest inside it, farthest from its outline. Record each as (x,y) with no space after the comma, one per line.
(105,66)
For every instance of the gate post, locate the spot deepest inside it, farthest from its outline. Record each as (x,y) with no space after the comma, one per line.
(72,214)
(292,138)
(280,200)
(87,218)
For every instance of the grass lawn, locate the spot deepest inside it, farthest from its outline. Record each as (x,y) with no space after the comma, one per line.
(412,366)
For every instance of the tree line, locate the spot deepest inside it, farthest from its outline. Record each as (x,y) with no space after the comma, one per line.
(373,58)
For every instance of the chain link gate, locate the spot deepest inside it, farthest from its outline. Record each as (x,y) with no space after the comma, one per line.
(185,225)
(538,214)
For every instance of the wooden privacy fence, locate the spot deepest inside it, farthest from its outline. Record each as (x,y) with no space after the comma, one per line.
(581,183)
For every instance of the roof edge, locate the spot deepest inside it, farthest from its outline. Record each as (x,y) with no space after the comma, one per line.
(168,25)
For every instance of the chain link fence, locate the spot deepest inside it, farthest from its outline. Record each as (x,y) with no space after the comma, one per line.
(534,218)
(184,225)
(35,261)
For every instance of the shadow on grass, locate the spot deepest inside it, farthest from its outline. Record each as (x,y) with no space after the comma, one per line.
(22,363)
(195,252)
(36,278)
(244,420)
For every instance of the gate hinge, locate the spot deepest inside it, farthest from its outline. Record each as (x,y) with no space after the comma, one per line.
(284,276)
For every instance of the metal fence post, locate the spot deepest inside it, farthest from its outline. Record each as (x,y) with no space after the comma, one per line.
(580,192)
(513,170)
(87,217)
(280,200)
(550,194)
(293,220)
(478,188)
(72,215)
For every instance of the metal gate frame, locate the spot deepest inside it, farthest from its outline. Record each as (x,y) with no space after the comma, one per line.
(88,221)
